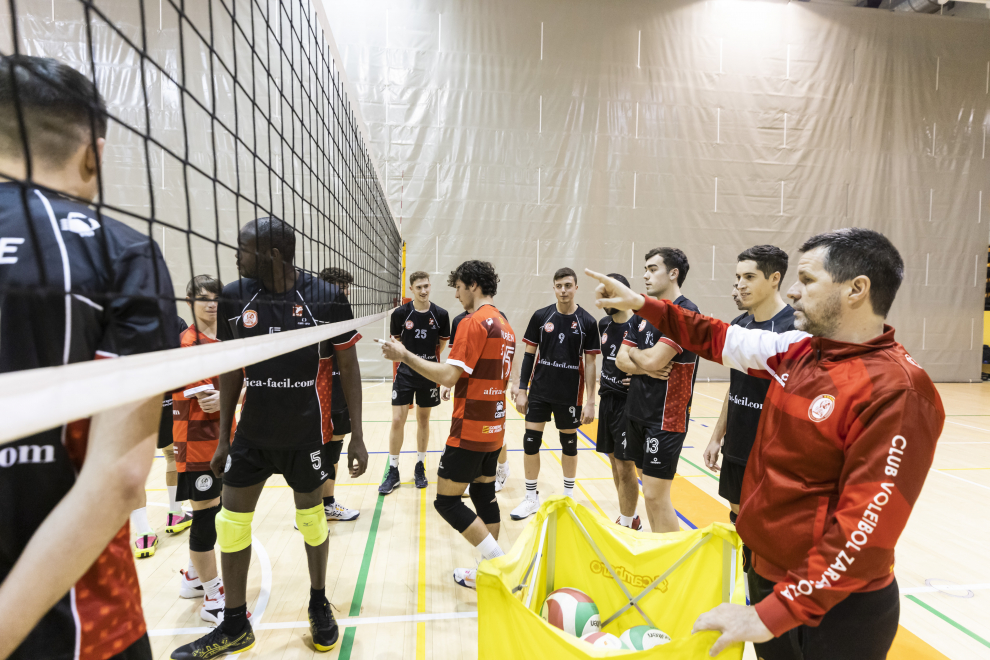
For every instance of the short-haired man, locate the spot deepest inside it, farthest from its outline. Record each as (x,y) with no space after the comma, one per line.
(846,439)
(196,410)
(280,430)
(423,328)
(612,392)
(478,369)
(68,587)
(558,367)
(659,401)
(759,273)
(334,404)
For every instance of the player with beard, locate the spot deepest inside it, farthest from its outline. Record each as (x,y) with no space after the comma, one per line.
(657,409)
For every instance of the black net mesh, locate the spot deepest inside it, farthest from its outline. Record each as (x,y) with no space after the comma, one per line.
(219,112)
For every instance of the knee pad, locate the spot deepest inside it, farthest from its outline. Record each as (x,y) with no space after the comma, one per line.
(203,531)
(169,453)
(233,530)
(454,511)
(531,442)
(568,443)
(483,498)
(313,524)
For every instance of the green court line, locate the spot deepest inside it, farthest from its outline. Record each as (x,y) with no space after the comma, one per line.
(369,548)
(701,469)
(952,623)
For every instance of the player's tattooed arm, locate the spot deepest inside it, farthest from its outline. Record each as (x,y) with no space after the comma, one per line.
(350,382)
(230,391)
(625,362)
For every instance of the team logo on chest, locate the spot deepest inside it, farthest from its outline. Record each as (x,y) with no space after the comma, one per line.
(573,325)
(821,407)
(250,318)
(911,360)
(604,337)
(297,310)
(431,323)
(642,325)
(548,327)
(409,325)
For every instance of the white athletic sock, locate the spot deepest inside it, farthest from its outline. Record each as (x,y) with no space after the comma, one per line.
(191,570)
(393,461)
(139,522)
(489,548)
(501,468)
(173,505)
(625,521)
(421,457)
(568,487)
(531,490)
(212,588)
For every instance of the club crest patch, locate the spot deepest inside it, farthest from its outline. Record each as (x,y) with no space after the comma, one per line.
(821,407)
(250,318)
(548,327)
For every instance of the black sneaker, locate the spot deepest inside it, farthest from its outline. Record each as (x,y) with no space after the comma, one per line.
(324,628)
(215,644)
(419,476)
(391,481)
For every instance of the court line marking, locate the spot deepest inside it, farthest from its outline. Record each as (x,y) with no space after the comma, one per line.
(952,623)
(421,587)
(952,476)
(968,426)
(971,442)
(983,586)
(352,621)
(710,397)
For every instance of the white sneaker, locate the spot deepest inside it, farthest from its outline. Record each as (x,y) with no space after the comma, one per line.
(500,476)
(526,508)
(212,609)
(466,577)
(189,587)
(337,512)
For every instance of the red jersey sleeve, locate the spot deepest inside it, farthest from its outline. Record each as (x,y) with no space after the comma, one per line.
(469,347)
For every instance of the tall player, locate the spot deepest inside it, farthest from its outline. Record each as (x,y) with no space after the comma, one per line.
(335,409)
(195,432)
(657,409)
(759,272)
(423,327)
(478,369)
(613,388)
(75,285)
(280,430)
(562,341)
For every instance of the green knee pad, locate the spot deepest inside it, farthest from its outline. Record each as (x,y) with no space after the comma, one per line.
(233,530)
(313,524)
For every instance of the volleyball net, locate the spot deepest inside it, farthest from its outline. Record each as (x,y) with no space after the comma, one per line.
(218,112)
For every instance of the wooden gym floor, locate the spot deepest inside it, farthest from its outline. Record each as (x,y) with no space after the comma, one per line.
(389,576)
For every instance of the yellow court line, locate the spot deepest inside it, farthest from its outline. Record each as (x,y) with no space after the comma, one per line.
(421,587)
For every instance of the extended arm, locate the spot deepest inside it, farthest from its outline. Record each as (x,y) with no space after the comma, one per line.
(445,374)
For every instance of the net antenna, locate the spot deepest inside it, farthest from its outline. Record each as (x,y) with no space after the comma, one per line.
(218,112)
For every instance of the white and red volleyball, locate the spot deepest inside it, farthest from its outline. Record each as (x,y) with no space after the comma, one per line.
(603,640)
(572,611)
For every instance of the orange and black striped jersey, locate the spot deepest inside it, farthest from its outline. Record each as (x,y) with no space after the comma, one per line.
(484,351)
(194,432)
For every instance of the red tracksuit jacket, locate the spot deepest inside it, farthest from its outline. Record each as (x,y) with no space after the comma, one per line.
(845,441)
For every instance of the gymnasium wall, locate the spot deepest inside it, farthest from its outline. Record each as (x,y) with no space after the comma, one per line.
(543,133)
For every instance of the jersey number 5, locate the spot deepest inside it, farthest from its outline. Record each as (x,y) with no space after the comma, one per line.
(317,458)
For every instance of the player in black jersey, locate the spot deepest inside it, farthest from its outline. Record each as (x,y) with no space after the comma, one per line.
(558,373)
(75,285)
(280,429)
(423,328)
(613,388)
(759,272)
(657,408)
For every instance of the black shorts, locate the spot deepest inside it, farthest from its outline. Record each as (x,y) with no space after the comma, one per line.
(860,627)
(654,450)
(341,422)
(198,487)
(165,423)
(405,390)
(304,470)
(334,447)
(565,417)
(464,465)
(611,423)
(730,480)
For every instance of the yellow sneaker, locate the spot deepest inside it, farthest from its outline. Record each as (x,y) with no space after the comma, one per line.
(177,522)
(145,546)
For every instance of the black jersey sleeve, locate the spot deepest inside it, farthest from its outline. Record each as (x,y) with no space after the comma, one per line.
(395,323)
(225,312)
(340,310)
(632,337)
(443,318)
(141,313)
(593,338)
(532,336)
(453,328)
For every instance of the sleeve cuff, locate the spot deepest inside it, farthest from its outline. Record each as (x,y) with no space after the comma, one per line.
(593,352)
(347,344)
(445,338)
(775,615)
(652,310)
(531,343)
(673,344)
(626,342)
(457,363)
